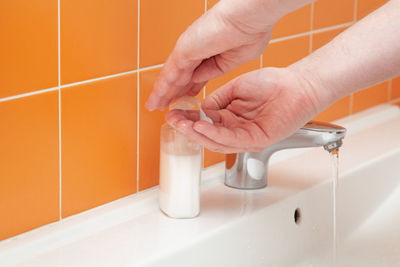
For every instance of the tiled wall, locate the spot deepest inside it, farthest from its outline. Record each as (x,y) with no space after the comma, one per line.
(74,76)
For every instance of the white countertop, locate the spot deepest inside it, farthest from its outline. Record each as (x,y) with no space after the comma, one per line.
(132,231)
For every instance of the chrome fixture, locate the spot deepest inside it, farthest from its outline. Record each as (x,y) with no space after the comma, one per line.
(249,170)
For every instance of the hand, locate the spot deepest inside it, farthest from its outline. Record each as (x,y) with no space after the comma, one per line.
(250,112)
(231,33)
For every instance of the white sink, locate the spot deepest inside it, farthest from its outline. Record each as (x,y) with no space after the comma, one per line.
(368,224)
(249,228)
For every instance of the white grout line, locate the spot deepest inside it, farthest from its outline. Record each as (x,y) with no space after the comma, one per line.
(297,35)
(394,100)
(79,83)
(150,67)
(354,20)
(98,79)
(138,98)
(355,10)
(160,65)
(204,97)
(4,99)
(310,41)
(59,112)
(113,75)
(335,27)
(205,86)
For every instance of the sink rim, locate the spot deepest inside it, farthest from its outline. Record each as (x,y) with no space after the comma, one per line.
(54,237)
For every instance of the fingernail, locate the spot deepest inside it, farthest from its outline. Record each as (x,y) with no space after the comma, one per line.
(181,124)
(171,122)
(149,107)
(197,127)
(152,102)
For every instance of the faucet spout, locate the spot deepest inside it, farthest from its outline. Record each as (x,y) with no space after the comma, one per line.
(249,170)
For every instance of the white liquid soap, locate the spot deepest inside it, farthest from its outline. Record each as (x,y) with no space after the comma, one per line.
(180,185)
(180,169)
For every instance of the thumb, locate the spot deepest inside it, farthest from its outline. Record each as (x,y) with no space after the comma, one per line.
(212,67)
(221,97)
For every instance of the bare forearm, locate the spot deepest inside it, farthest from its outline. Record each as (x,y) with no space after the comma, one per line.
(259,14)
(365,54)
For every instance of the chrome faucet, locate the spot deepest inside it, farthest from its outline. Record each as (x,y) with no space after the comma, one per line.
(249,170)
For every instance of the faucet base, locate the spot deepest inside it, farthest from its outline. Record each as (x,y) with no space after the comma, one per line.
(245,171)
(244,188)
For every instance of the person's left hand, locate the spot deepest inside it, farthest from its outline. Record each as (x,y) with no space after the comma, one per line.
(231,33)
(251,112)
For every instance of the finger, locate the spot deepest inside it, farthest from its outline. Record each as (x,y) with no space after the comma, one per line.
(196,88)
(176,115)
(193,90)
(212,67)
(174,94)
(203,39)
(221,97)
(228,60)
(214,115)
(172,79)
(173,116)
(162,100)
(224,117)
(185,127)
(238,137)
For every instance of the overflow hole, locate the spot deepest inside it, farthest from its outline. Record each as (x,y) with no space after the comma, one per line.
(297,216)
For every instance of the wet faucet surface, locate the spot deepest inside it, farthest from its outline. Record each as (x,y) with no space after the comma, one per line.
(249,170)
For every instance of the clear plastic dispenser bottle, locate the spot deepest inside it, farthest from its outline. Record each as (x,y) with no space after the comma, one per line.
(180,169)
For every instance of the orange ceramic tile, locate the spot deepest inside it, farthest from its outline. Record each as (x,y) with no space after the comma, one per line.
(295,22)
(161,23)
(322,38)
(98,38)
(29,189)
(395,92)
(370,97)
(364,7)
(329,13)
(211,158)
(337,110)
(218,82)
(28,46)
(149,133)
(284,53)
(211,3)
(98,129)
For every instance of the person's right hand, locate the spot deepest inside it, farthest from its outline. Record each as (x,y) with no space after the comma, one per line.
(231,33)
(253,111)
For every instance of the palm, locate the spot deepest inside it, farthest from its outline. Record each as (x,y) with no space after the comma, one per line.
(251,112)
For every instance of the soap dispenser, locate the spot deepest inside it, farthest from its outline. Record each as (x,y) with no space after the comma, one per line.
(180,168)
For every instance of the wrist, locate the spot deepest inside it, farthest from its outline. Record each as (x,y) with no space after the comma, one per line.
(252,16)
(258,15)
(321,94)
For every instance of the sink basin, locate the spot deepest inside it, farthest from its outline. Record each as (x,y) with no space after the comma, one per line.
(368,232)
(298,231)
(288,223)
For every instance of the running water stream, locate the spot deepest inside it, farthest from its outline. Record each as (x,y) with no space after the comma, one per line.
(335,183)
